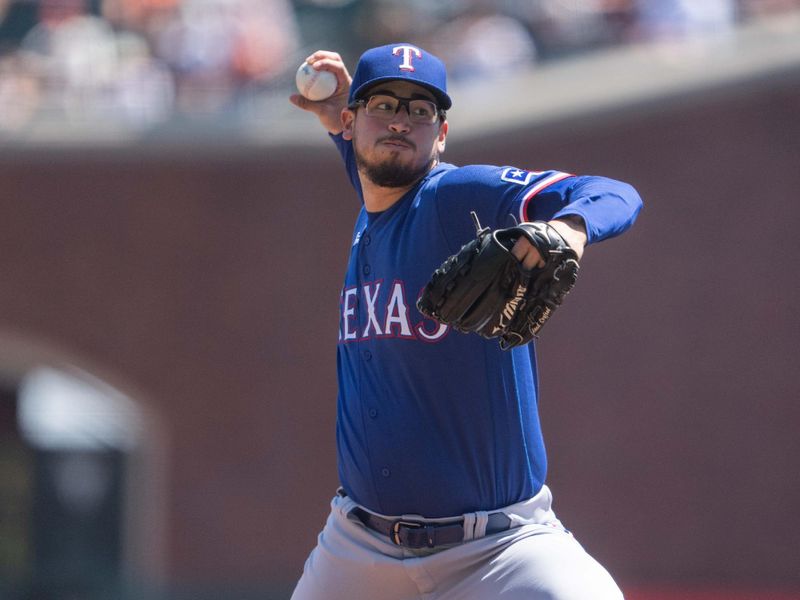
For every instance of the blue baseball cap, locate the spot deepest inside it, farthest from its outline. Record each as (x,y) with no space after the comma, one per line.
(404,62)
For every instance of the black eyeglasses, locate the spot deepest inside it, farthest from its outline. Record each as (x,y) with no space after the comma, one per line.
(385,106)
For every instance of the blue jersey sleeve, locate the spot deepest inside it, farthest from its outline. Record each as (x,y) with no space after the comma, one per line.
(345,148)
(607,207)
(503,196)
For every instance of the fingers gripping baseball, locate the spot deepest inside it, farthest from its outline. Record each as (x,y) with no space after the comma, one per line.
(329,109)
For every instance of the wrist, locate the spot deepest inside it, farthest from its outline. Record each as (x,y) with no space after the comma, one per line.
(573,230)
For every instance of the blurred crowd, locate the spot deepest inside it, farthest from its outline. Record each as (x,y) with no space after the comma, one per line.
(141,64)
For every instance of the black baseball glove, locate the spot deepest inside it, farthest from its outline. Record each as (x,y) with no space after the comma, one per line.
(484,289)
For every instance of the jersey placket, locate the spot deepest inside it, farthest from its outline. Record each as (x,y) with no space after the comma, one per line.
(369,290)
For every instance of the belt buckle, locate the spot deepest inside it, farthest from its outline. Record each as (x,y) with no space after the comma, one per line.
(395,537)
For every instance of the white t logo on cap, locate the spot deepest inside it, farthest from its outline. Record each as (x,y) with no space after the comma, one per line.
(406,51)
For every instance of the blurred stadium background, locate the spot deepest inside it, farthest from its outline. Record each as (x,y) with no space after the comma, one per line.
(173,235)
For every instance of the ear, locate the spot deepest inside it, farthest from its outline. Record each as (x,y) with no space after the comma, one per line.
(440,141)
(348,118)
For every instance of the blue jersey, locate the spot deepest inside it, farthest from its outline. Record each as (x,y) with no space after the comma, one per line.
(431,421)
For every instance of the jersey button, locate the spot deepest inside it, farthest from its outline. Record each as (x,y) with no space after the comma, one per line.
(367,355)
(385,472)
(366,239)
(373,412)
(366,270)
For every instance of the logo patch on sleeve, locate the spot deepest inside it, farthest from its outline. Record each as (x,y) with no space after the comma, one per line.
(517,176)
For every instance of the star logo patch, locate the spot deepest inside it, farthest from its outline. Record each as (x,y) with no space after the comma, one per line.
(517,176)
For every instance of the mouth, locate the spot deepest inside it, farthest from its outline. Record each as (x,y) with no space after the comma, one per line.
(397,143)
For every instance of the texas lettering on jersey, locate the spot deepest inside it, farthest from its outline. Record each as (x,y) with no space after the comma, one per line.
(380,310)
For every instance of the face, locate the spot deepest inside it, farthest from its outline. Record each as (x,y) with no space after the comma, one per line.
(397,152)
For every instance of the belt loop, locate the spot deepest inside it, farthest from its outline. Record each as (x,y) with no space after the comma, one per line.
(481,519)
(469,526)
(343,505)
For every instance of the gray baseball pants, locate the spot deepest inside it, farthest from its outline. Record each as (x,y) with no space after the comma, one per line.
(535,560)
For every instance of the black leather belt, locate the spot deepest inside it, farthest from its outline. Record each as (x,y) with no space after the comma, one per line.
(412,533)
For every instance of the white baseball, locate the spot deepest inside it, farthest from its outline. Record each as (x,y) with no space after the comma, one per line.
(313,84)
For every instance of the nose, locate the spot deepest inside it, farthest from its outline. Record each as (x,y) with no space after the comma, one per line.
(400,123)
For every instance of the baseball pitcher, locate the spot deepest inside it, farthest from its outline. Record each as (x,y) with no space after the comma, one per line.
(453,273)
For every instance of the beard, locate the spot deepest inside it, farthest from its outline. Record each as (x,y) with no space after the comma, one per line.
(391,173)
